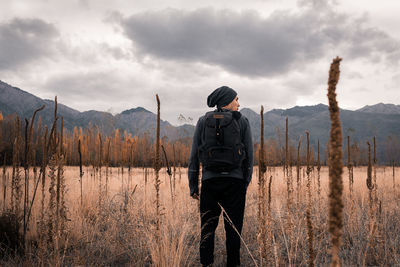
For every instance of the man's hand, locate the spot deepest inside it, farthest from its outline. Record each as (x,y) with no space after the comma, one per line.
(195,196)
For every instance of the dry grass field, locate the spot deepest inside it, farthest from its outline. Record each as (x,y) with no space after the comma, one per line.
(115,225)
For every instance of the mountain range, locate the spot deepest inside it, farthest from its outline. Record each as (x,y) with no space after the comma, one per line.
(136,121)
(380,120)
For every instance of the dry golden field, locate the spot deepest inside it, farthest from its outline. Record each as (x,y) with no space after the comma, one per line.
(116,223)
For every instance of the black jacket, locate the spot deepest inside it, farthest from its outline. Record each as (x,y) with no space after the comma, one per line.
(244,172)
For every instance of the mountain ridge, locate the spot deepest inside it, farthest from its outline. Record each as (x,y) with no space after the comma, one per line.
(381,108)
(361,124)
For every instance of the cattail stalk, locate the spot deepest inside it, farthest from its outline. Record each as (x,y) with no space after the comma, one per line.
(298,165)
(298,187)
(26,171)
(372,224)
(269,194)
(44,164)
(4,184)
(42,172)
(370,185)
(262,165)
(157,181)
(57,223)
(30,136)
(312,162)
(100,163)
(348,152)
(335,165)
(16,190)
(319,175)
(107,164)
(169,174)
(374,150)
(52,198)
(58,185)
(287,145)
(174,170)
(375,193)
(53,207)
(289,183)
(394,180)
(28,140)
(80,168)
(55,119)
(310,230)
(63,207)
(98,168)
(318,160)
(288,177)
(308,170)
(42,227)
(261,237)
(268,224)
(349,165)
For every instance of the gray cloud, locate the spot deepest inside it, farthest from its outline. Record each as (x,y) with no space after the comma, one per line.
(24,40)
(115,52)
(95,84)
(91,52)
(101,89)
(248,44)
(363,41)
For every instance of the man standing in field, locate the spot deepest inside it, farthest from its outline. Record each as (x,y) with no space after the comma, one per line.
(222,143)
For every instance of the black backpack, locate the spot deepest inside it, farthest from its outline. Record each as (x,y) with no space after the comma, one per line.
(221,149)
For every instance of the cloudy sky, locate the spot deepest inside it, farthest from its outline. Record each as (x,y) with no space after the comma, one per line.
(116,55)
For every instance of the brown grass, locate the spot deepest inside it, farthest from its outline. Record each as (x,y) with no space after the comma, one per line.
(108,235)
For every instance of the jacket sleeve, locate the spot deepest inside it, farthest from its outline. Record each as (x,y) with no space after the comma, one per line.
(248,144)
(194,164)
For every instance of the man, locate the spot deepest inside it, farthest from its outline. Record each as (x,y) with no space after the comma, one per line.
(222,143)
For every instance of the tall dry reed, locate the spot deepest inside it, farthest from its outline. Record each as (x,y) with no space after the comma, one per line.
(157,182)
(289,188)
(16,186)
(349,166)
(289,177)
(287,145)
(4,184)
(27,159)
(335,165)
(318,174)
(310,230)
(318,159)
(298,168)
(169,172)
(393,175)
(80,169)
(369,254)
(174,169)
(370,184)
(261,236)
(26,180)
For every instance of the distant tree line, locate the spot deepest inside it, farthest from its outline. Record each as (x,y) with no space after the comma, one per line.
(122,149)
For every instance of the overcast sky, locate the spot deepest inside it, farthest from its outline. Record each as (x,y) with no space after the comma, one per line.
(116,55)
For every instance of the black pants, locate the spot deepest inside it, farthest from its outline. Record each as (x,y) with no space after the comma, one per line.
(231,194)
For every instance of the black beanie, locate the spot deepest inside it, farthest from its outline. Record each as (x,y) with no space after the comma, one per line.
(221,97)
